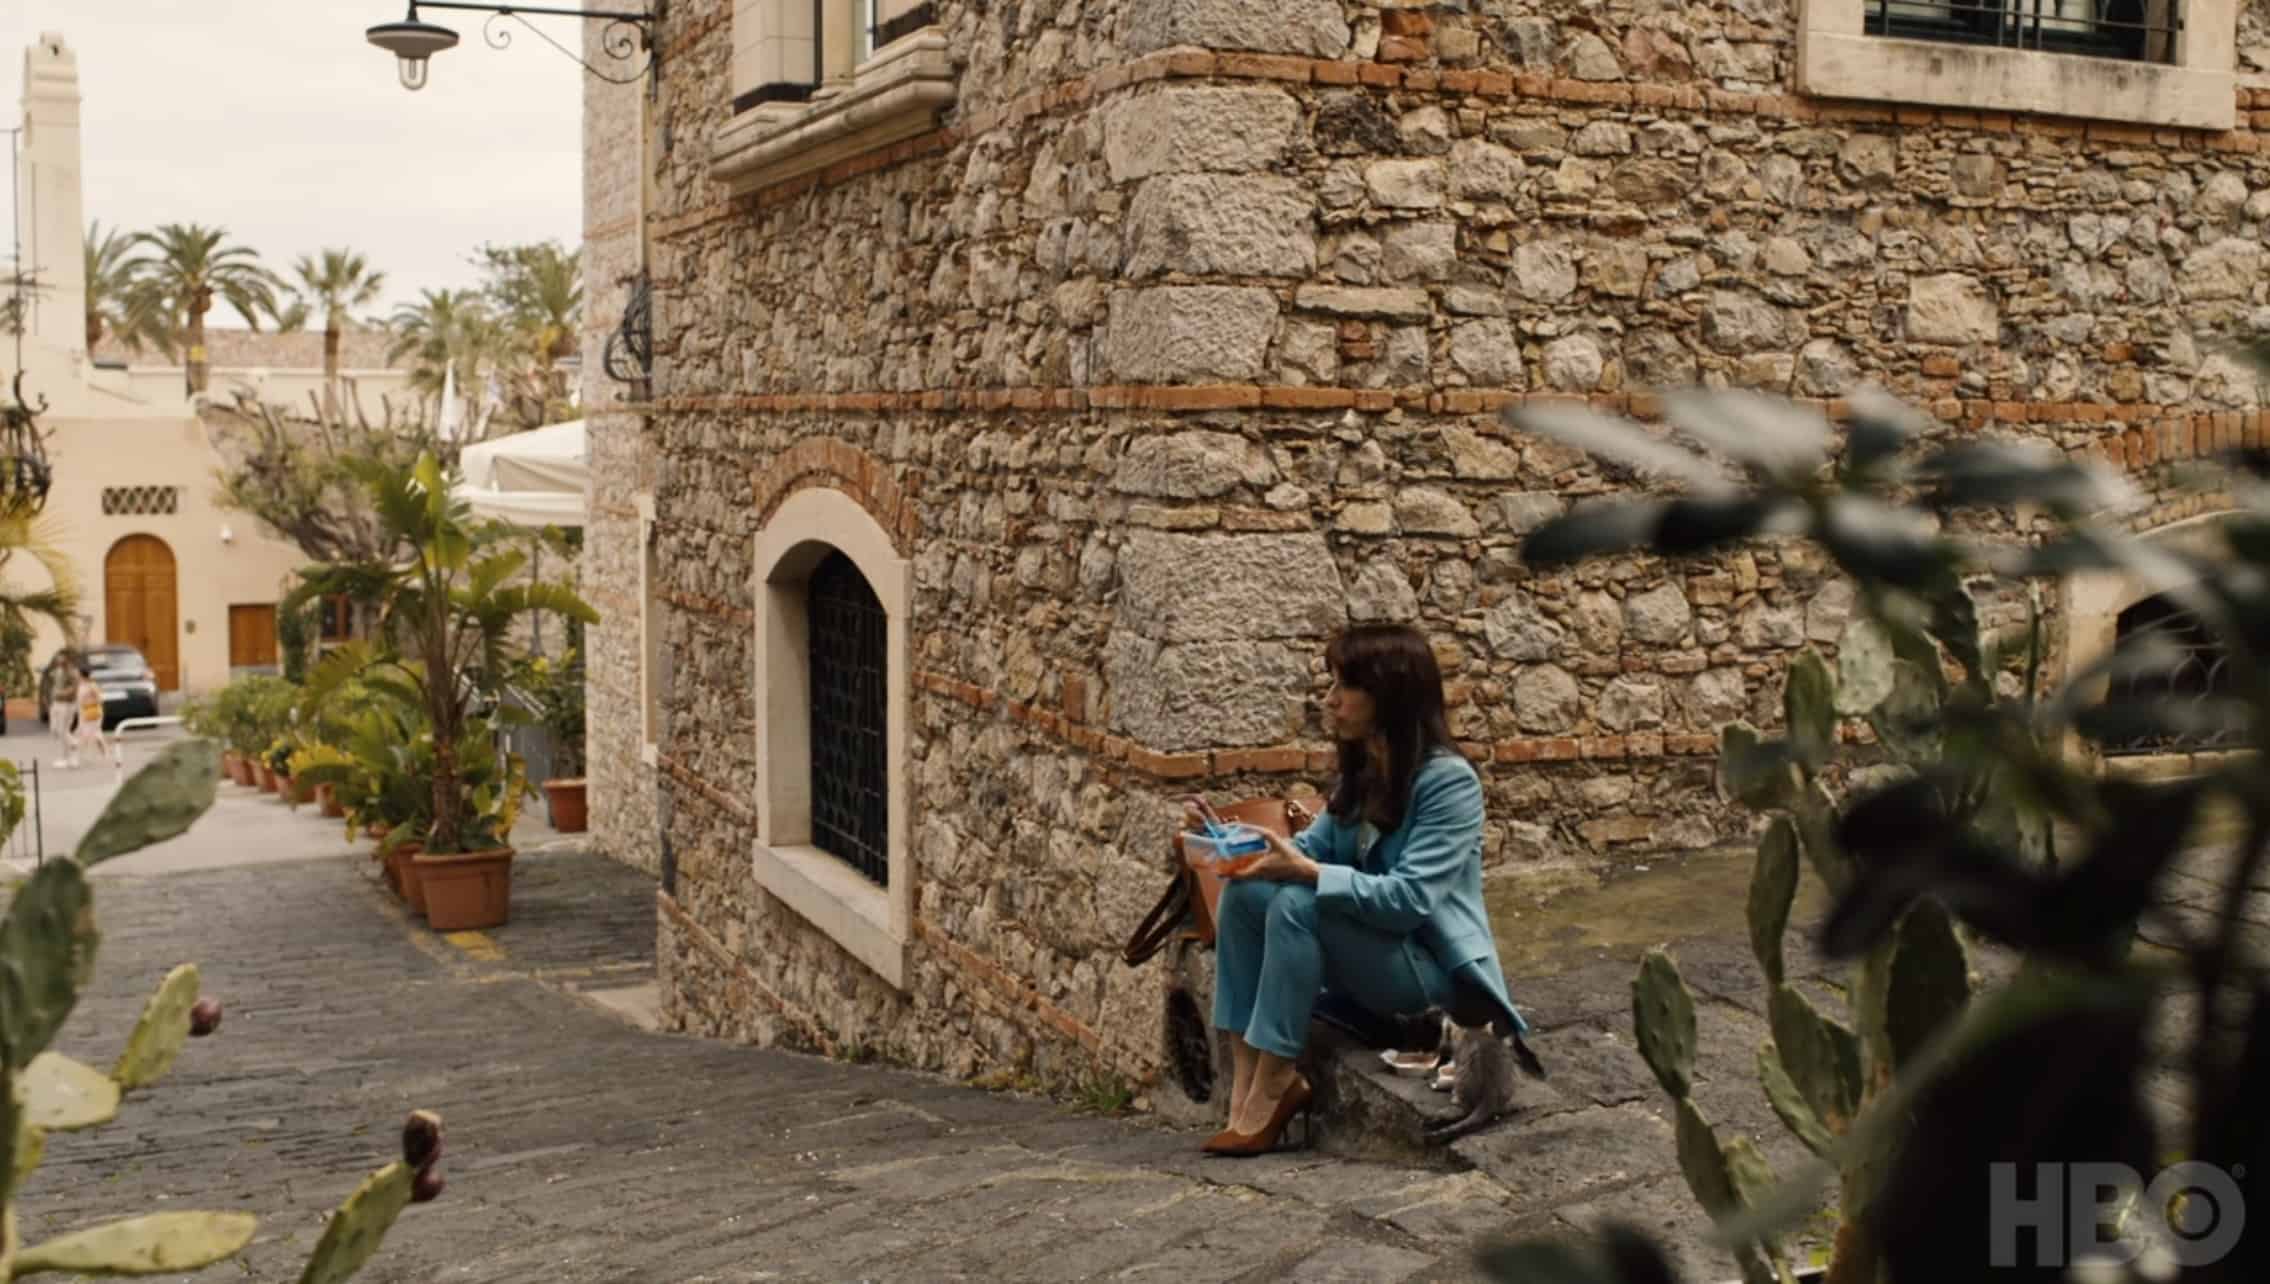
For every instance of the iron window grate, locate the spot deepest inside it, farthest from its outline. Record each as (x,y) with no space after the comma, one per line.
(141,501)
(2135,30)
(850,723)
(2202,675)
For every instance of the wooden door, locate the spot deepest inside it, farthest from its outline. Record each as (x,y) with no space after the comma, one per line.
(138,604)
(252,635)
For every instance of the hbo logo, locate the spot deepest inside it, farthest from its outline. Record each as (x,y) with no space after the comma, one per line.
(2192,1213)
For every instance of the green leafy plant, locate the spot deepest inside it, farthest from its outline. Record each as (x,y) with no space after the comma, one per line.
(446,614)
(371,744)
(555,686)
(48,943)
(248,714)
(1937,1081)
(295,640)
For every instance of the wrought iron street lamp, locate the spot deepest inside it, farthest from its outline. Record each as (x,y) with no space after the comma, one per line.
(412,41)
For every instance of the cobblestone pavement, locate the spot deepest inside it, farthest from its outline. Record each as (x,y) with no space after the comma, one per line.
(581,1148)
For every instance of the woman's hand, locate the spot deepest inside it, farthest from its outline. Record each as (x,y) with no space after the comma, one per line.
(1282,863)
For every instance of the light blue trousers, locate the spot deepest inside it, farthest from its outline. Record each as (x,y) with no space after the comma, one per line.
(1274,951)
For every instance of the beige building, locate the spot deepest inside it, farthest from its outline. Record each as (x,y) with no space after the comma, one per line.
(1036,388)
(162,566)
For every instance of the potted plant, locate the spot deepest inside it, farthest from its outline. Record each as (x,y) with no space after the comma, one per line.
(472,888)
(556,689)
(253,712)
(447,603)
(369,746)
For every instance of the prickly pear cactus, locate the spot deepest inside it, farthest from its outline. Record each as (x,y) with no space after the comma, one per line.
(1727,1176)
(47,950)
(1818,1071)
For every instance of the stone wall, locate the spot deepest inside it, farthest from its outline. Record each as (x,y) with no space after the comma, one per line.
(1185,341)
(621,786)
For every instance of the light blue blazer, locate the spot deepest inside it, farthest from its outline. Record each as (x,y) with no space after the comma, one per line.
(1422,878)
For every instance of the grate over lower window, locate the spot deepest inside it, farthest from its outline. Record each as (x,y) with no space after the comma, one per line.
(141,501)
(847,638)
(2136,30)
(2201,676)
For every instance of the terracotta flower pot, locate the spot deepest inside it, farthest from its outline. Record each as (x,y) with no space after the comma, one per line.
(267,777)
(328,798)
(468,891)
(302,791)
(568,804)
(403,874)
(244,772)
(413,880)
(228,764)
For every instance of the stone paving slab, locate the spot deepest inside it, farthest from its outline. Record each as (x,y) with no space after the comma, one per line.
(583,1149)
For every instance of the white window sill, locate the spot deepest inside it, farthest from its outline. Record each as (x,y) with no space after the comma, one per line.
(852,911)
(1933,73)
(893,96)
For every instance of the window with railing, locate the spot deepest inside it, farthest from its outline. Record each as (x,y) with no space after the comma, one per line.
(850,723)
(2163,63)
(2200,675)
(2138,30)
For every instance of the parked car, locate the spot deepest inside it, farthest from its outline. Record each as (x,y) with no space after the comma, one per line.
(129,686)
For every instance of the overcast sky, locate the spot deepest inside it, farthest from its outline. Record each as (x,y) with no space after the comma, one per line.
(275,120)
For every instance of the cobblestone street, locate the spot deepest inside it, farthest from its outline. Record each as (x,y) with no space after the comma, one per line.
(582,1148)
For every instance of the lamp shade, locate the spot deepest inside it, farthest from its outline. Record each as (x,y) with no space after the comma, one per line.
(411,42)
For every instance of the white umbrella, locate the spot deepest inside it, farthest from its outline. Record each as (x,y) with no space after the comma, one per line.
(533,478)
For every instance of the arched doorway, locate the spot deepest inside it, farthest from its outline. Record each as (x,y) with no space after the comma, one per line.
(138,604)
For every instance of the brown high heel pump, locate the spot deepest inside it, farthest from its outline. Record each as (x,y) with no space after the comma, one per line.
(1299,1099)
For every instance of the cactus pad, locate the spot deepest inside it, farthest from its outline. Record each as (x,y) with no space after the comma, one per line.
(358,1226)
(1773,889)
(1809,703)
(1821,1055)
(1787,1102)
(157,1244)
(1703,1162)
(158,1036)
(63,1095)
(1930,980)
(1753,771)
(1863,668)
(47,950)
(1663,1018)
(161,800)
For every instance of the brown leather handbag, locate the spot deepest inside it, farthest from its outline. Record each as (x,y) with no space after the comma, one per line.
(1189,903)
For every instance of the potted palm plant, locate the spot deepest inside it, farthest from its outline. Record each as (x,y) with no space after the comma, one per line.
(556,688)
(447,604)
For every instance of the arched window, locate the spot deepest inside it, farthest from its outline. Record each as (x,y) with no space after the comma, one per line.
(2202,674)
(833,599)
(848,632)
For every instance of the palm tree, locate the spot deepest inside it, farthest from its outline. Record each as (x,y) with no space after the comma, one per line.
(538,290)
(190,269)
(444,329)
(338,281)
(116,305)
(40,540)
(291,315)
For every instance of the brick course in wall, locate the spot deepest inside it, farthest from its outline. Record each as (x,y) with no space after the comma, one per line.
(1137,335)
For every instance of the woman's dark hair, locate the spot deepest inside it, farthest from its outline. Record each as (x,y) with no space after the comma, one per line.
(1392,664)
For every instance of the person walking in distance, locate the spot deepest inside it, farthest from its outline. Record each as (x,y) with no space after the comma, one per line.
(90,721)
(62,714)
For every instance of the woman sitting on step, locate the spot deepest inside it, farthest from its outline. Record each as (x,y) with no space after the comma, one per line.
(1379,899)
